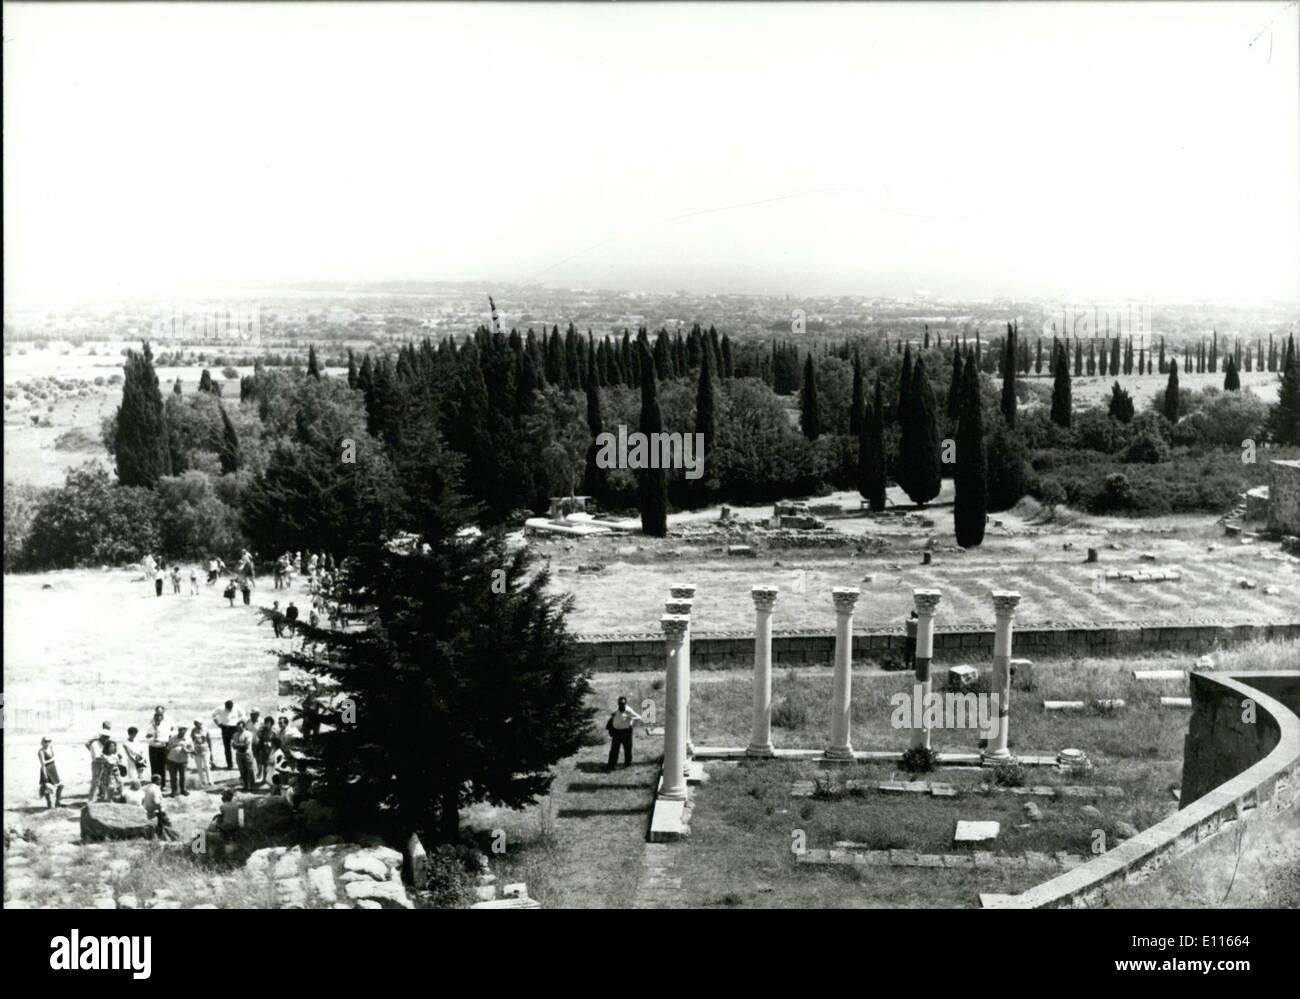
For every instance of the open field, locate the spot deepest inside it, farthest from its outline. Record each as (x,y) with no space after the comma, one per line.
(1055,584)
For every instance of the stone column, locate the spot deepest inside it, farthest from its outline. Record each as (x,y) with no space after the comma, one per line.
(674,780)
(760,739)
(1004,607)
(927,601)
(686,591)
(842,685)
(682,608)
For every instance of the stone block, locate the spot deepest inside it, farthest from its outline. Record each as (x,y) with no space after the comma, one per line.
(970,831)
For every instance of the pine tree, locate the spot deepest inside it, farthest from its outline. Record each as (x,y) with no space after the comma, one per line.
(1061,392)
(1231,380)
(229,453)
(652,483)
(970,504)
(313,363)
(1171,405)
(1284,420)
(1009,380)
(809,412)
(141,436)
(919,447)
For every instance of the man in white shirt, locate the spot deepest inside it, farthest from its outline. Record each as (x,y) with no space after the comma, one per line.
(227,719)
(619,728)
(158,735)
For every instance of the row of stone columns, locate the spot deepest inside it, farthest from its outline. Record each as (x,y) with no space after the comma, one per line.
(676,627)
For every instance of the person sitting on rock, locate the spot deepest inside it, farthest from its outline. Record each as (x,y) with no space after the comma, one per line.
(229,820)
(51,788)
(153,808)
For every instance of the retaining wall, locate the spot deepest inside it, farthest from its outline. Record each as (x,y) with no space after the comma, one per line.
(611,653)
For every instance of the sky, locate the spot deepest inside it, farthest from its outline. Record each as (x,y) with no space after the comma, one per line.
(972,150)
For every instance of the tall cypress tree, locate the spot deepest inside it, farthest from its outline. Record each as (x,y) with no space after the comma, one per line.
(1284,419)
(229,453)
(595,480)
(970,505)
(141,445)
(1061,392)
(871,453)
(920,442)
(955,386)
(1170,408)
(652,483)
(1038,357)
(809,413)
(705,426)
(313,363)
(1009,379)
(905,388)
(855,407)
(352,370)
(205,381)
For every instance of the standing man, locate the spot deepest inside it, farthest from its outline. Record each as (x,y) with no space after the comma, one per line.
(158,735)
(95,746)
(227,719)
(619,728)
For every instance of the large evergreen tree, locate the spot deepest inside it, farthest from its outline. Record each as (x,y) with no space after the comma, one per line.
(855,406)
(595,480)
(919,447)
(1009,379)
(871,453)
(1061,404)
(229,453)
(706,427)
(140,446)
(313,362)
(1284,419)
(652,483)
(970,505)
(955,385)
(1231,380)
(809,412)
(1170,408)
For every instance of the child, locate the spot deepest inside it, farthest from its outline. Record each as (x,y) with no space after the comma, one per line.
(245,588)
(51,787)
(202,752)
(176,580)
(229,592)
(194,581)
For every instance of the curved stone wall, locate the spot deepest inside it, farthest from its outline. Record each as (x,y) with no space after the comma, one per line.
(1242,751)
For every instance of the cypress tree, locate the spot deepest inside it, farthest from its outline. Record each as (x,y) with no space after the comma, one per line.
(1114,357)
(1231,380)
(970,505)
(572,371)
(595,480)
(205,381)
(872,470)
(1171,394)
(652,483)
(1285,417)
(352,370)
(904,388)
(855,407)
(809,413)
(728,362)
(313,363)
(141,445)
(1078,358)
(1103,359)
(1061,392)
(920,442)
(705,425)
(1161,366)
(176,386)
(229,453)
(1038,357)
(955,386)
(1008,380)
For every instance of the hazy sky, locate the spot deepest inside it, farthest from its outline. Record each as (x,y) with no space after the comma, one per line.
(969,149)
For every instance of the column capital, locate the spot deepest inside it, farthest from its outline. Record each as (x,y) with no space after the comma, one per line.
(678,607)
(764,597)
(845,597)
(682,591)
(927,601)
(674,626)
(1004,602)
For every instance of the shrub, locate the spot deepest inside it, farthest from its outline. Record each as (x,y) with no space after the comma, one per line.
(1007,463)
(791,711)
(450,883)
(1096,430)
(1147,449)
(1049,491)
(1009,775)
(919,760)
(829,786)
(91,521)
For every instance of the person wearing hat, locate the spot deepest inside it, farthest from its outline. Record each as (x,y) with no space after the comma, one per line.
(95,746)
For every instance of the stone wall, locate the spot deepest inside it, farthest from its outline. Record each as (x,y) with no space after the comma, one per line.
(1284,497)
(614,653)
(1269,784)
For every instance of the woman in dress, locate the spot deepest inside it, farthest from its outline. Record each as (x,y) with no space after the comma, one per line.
(51,787)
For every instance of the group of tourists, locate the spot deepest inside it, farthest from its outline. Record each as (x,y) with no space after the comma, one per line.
(155,569)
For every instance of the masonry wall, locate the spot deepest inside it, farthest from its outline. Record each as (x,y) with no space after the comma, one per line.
(1284,497)
(646,652)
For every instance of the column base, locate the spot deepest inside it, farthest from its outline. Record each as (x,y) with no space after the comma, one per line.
(671,795)
(997,757)
(766,752)
(839,754)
